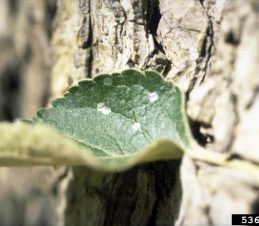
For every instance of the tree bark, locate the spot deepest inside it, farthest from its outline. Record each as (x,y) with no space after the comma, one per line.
(209,48)
(28,196)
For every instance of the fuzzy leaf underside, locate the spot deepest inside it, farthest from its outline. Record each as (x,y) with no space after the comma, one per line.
(111,122)
(25,144)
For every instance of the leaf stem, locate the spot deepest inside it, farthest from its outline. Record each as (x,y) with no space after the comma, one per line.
(201,154)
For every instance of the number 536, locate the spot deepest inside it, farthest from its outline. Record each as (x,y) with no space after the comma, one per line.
(250,220)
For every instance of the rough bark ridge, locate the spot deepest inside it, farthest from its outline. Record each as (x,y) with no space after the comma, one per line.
(207,47)
(28,196)
(225,105)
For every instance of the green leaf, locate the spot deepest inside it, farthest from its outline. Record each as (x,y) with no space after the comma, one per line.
(114,116)
(24,144)
(27,144)
(110,123)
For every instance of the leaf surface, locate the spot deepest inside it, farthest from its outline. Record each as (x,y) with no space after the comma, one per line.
(111,123)
(25,144)
(114,116)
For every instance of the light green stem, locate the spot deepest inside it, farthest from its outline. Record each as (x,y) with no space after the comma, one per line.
(224,160)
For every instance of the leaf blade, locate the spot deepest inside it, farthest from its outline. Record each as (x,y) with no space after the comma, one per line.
(110,123)
(125,111)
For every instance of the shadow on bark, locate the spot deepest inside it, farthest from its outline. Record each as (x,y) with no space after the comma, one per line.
(148,195)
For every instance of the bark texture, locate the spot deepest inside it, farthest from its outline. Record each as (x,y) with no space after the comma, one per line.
(25,31)
(28,196)
(209,48)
